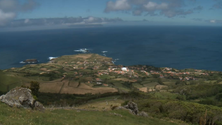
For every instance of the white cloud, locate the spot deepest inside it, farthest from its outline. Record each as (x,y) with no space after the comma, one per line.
(138,2)
(10,8)
(6,16)
(217,5)
(9,5)
(163,6)
(213,21)
(117,6)
(90,19)
(61,21)
(155,6)
(168,8)
(137,12)
(150,6)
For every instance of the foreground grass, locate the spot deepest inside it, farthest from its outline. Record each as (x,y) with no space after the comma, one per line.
(15,116)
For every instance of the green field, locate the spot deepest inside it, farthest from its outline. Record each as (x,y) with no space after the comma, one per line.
(15,116)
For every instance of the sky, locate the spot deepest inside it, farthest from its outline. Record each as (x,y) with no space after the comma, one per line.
(34,14)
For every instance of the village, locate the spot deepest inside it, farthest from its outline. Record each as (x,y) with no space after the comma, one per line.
(105,67)
(98,71)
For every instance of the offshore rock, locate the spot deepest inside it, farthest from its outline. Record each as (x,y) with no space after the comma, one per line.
(21,98)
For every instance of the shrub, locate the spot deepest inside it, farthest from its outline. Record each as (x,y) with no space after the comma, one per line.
(186,111)
(34,86)
(218,96)
(125,103)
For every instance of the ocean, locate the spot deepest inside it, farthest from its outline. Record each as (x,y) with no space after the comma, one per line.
(161,46)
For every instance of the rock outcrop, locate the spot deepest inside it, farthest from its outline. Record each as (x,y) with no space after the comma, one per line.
(21,97)
(133,108)
(144,114)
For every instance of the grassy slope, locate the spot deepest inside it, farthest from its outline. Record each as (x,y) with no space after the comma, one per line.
(14,116)
(9,81)
(192,91)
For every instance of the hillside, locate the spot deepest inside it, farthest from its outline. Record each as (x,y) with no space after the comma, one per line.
(14,116)
(93,82)
(62,75)
(92,73)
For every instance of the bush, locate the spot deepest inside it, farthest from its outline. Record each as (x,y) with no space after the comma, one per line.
(34,86)
(218,96)
(208,102)
(181,97)
(199,91)
(186,111)
(125,103)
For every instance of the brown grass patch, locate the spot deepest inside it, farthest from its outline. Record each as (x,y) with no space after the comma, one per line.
(144,89)
(159,87)
(52,86)
(124,79)
(85,56)
(71,88)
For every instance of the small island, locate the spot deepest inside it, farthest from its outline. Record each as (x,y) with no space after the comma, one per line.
(27,61)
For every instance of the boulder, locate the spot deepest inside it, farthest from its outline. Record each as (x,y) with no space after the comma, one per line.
(144,114)
(133,107)
(21,97)
(38,106)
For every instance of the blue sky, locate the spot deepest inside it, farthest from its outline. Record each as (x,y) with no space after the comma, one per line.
(23,13)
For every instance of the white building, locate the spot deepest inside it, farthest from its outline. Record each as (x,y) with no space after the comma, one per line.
(124,69)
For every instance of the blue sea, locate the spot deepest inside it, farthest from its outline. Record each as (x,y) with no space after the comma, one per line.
(161,46)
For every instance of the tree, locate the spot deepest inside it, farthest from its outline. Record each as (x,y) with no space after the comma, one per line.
(34,86)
